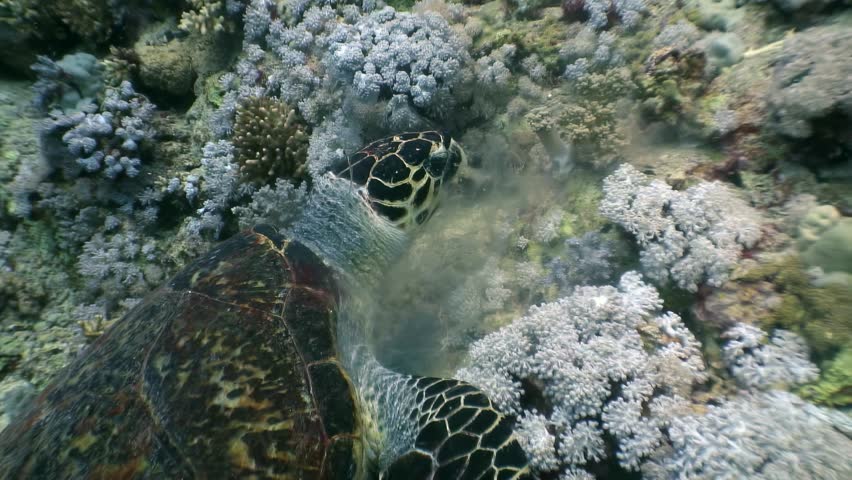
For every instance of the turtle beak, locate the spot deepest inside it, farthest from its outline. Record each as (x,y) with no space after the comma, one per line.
(466,175)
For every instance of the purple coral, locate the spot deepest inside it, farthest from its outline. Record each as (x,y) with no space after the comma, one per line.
(108,140)
(220,187)
(399,52)
(600,13)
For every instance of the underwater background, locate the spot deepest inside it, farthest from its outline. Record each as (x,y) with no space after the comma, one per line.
(649,264)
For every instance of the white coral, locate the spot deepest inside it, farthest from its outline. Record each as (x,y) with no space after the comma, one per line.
(691,237)
(781,362)
(600,357)
(770,435)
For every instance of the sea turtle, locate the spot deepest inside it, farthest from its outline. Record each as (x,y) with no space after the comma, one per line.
(249,363)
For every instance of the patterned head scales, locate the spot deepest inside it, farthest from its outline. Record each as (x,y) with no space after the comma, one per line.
(400,176)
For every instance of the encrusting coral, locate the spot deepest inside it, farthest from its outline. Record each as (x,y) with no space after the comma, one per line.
(821,314)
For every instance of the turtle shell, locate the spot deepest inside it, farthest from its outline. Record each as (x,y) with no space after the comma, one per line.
(228,371)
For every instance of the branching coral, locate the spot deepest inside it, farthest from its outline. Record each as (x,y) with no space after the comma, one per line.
(671,82)
(128,115)
(277,205)
(762,436)
(588,51)
(600,13)
(114,267)
(108,141)
(270,140)
(756,363)
(691,237)
(598,362)
(378,55)
(221,186)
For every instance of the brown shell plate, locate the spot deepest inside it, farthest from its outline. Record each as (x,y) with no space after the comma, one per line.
(228,371)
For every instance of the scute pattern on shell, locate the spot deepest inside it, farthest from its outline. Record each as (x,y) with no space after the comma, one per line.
(209,374)
(460,434)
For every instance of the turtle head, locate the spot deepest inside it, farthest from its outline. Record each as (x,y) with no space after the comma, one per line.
(400,177)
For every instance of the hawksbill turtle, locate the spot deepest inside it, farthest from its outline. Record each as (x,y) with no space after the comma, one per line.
(246,365)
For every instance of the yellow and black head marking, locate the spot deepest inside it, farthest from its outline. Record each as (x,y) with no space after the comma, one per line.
(400,176)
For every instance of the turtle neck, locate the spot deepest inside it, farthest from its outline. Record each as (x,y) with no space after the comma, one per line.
(344,231)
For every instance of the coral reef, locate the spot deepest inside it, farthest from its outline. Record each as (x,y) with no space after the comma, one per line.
(277,205)
(103,197)
(221,185)
(27,26)
(206,16)
(825,240)
(754,436)
(556,368)
(755,363)
(819,313)
(601,13)
(834,387)
(15,394)
(68,84)
(111,267)
(584,120)
(809,84)
(270,140)
(108,141)
(691,237)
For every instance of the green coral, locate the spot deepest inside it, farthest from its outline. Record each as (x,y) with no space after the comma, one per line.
(582,193)
(825,239)
(815,222)
(588,116)
(543,36)
(670,87)
(834,387)
(833,250)
(89,19)
(822,314)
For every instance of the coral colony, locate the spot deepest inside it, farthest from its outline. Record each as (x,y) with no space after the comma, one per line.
(645,263)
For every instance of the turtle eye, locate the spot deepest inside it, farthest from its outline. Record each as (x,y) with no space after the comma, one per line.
(456,159)
(437,162)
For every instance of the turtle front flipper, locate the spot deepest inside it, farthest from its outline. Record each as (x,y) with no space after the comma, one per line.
(460,436)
